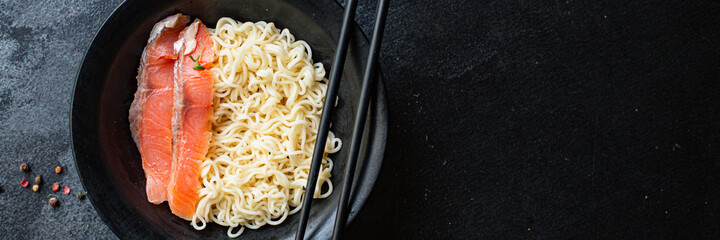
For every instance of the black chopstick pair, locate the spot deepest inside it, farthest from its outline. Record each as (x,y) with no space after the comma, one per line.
(329,107)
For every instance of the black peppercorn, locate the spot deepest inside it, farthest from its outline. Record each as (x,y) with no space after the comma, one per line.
(24,167)
(38,179)
(53,202)
(80,196)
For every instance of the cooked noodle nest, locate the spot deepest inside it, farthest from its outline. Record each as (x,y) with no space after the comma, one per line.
(268,98)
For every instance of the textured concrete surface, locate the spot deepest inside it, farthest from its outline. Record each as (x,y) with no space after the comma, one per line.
(41,44)
(508,119)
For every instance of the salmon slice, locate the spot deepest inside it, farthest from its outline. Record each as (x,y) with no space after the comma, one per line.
(192,117)
(152,109)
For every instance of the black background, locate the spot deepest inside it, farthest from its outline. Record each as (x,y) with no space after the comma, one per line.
(548,120)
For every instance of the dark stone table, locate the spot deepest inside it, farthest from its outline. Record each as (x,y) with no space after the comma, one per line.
(508,120)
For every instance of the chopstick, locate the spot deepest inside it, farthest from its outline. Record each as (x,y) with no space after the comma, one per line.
(360,117)
(328,108)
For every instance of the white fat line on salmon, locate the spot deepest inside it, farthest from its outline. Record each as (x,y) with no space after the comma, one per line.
(188,40)
(169,22)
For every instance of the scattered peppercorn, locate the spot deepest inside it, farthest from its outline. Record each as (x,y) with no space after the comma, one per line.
(24,167)
(56,187)
(38,179)
(58,169)
(36,187)
(80,196)
(53,202)
(66,190)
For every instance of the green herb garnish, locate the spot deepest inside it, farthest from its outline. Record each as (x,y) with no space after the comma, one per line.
(197,64)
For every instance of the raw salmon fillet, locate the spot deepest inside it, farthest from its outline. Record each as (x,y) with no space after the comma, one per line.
(152,109)
(192,117)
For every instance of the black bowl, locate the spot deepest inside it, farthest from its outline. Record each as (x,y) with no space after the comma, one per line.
(106,156)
